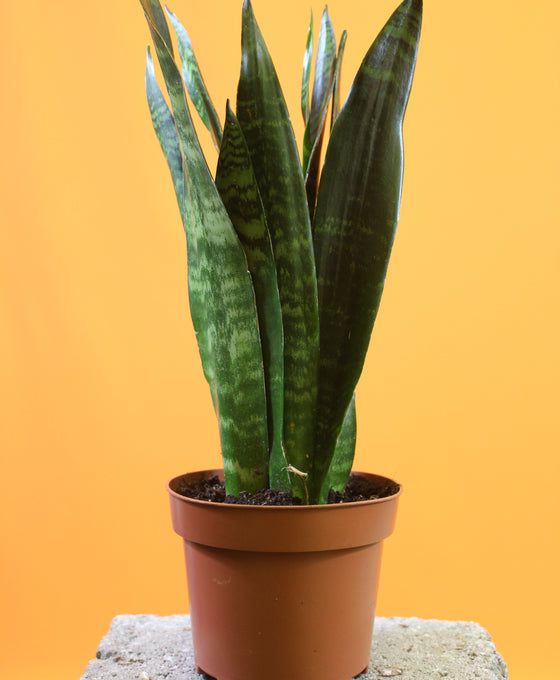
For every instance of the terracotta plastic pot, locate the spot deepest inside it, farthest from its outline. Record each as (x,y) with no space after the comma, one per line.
(283,593)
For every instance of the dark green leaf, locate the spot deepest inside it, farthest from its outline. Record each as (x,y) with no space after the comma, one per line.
(238,188)
(307,57)
(336,81)
(195,83)
(221,298)
(356,217)
(315,128)
(164,125)
(264,119)
(341,464)
(322,88)
(156,19)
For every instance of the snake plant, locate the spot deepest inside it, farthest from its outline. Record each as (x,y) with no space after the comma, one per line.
(286,260)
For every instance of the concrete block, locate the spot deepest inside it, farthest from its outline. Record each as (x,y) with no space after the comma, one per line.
(151,647)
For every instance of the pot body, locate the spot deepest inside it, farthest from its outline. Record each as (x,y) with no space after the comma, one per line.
(281,592)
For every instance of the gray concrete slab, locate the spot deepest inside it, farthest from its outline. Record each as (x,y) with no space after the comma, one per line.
(148,647)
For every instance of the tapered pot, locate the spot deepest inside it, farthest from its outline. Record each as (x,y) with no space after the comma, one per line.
(282,593)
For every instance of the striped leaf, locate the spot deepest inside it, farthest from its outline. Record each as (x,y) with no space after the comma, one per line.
(356,217)
(221,296)
(165,129)
(238,188)
(264,119)
(315,128)
(322,89)
(341,464)
(156,18)
(195,83)
(307,57)
(336,81)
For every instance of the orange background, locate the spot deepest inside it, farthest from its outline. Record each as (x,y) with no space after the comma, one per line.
(102,396)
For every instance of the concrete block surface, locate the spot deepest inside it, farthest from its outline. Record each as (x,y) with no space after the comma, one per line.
(148,647)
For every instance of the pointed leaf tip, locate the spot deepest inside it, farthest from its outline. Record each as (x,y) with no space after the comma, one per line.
(264,119)
(156,21)
(357,213)
(194,81)
(247,15)
(415,5)
(306,76)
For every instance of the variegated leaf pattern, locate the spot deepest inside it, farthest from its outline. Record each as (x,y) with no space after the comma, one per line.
(307,57)
(221,296)
(195,83)
(322,88)
(238,188)
(322,92)
(341,464)
(264,119)
(356,217)
(302,393)
(336,81)
(165,129)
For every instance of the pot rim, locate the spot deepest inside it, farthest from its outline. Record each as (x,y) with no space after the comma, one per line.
(279,508)
(284,528)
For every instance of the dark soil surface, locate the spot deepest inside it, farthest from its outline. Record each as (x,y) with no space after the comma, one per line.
(357,489)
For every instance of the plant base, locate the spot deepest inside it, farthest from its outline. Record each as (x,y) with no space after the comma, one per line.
(282,592)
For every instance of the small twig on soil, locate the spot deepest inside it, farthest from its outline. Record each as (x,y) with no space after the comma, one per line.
(302,475)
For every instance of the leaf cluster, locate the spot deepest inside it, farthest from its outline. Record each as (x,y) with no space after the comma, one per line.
(286,260)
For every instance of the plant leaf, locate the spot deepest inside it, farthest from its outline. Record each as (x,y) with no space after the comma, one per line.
(315,128)
(322,88)
(264,119)
(235,180)
(313,169)
(307,57)
(341,464)
(221,298)
(312,175)
(356,217)
(164,126)
(336,80)
(195,83)
(156,20)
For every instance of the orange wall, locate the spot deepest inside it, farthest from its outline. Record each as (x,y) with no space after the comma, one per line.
(102,397)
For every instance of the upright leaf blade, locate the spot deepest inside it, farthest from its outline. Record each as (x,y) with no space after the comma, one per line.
(235,180)
(195,83)
(307,57)
(165,129)
(264,119)
(356,217)
(336,81)
(221,298)
(315,128)
(313,168)
(322,88)
(341,464)
(156,21)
